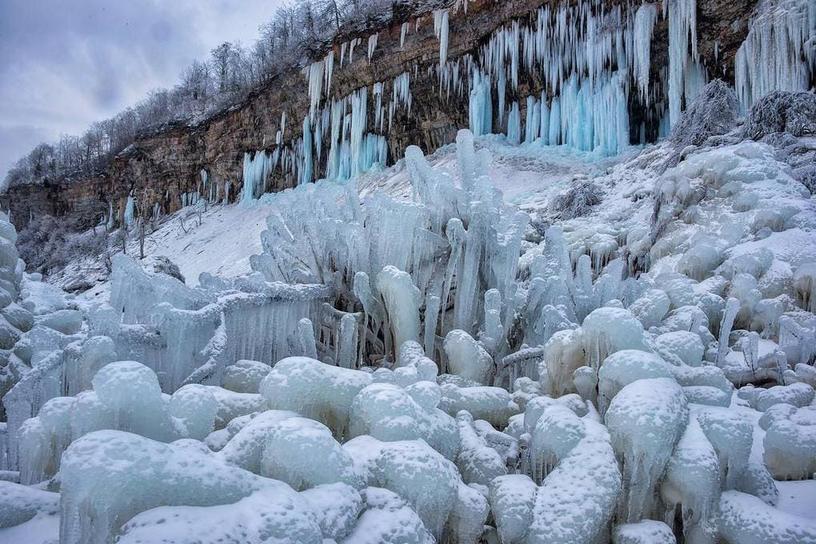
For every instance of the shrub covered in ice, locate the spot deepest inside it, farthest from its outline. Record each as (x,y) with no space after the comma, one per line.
(748,520)
(576,201)
(712,113)
(645,419)
(782,111)
(315,390)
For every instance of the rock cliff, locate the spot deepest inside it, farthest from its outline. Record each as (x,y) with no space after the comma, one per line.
(162,168)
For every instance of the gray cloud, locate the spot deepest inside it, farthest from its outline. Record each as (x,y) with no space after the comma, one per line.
(67,63)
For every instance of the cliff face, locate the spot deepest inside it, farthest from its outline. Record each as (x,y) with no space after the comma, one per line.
(161,168)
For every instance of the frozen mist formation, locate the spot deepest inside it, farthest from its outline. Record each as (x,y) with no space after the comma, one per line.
(417,357)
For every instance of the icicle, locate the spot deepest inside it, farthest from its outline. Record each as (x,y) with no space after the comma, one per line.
(778,52)
(481,105)
(441,30)
(347,342)
(306,338)
(682,30)
(644,24)
(372,45)
(533,120)
(315,75)
(514,125)
(403,33)
(306,172)
(129,211)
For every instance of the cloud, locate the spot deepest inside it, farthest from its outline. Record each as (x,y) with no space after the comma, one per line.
(64,65)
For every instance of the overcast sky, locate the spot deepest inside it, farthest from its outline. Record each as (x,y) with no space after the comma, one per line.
(67,63)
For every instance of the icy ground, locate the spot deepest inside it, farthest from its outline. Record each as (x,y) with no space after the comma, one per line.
(496,343)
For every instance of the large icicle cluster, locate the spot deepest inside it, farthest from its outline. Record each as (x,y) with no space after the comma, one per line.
(779,53)
(567,74)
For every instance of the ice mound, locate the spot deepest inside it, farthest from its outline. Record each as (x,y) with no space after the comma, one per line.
(607,330)
(790,444)
(692,485)
(493,404)
(21,503)
(388,519)
(107,477)
(644,532)
(467,358)
(245,376)
(314,389)
(731,434)
(413,470)
(303,453)
(748,520)
(477,462)
(389,413)
(127,397)
(624,367)
(246,446)
(567,510)
(645,420)
(274,513)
